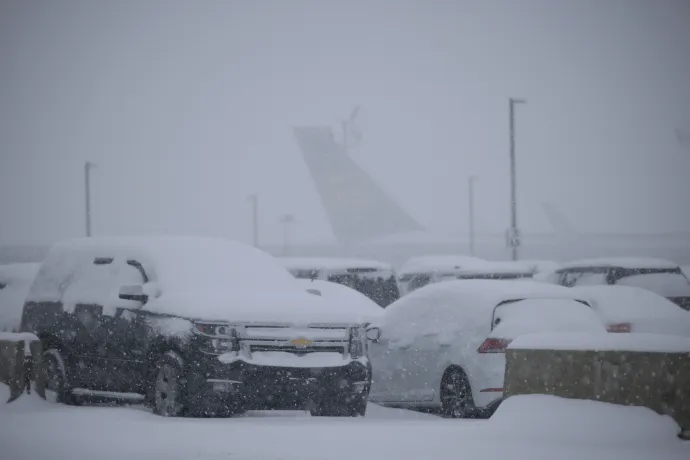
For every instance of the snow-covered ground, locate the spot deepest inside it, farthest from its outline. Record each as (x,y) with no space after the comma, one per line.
(525,428)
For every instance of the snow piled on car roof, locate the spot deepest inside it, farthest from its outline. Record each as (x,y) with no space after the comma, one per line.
(544,315)
(619,303)
(492,292)
(644,310)
(622,262)
(206,278)
(463,304)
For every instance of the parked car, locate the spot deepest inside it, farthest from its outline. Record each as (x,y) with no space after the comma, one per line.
(340,296)
(657,275)
(15,281)
(194,326)
(442,346)
(376,280)
(632,309)
(420,271)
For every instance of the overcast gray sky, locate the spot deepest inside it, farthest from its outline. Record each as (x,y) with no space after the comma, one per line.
(188,106)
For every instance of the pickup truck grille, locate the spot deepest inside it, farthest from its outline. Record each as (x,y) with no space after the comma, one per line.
(298,351)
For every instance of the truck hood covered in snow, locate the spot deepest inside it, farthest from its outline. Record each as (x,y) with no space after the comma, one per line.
(247,306)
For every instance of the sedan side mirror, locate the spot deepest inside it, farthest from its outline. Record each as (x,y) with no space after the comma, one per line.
(374,334)
(135,293)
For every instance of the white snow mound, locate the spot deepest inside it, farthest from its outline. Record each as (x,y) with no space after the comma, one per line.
(559,420)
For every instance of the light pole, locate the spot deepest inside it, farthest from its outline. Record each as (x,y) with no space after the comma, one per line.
(470,182)
(254,200)
(513,232)
(88,167)
(286,220)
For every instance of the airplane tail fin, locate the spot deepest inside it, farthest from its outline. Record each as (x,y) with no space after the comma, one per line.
(557,221)
(356,207)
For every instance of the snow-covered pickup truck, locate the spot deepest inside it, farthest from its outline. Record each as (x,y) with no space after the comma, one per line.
(193,326)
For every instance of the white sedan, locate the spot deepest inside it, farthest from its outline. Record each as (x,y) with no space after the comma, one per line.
(443,346)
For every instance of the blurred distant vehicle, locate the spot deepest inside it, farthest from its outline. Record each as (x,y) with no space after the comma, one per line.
(475,270)
(417,272)
(443,346)
(498,271)
(637,310)
(345,297)
(15,282)
(376,280)
(657,275)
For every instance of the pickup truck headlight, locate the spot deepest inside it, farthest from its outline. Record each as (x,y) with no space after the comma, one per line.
(217,338)
(358,342)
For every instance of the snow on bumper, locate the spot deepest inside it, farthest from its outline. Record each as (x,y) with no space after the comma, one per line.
(486,379)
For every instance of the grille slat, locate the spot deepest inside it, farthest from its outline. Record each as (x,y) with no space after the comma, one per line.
(295,350)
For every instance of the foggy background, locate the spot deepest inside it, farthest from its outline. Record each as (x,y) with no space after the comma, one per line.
(188,107)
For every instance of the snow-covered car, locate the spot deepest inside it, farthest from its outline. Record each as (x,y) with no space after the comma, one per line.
(15,281)
(344,297)
(637,310)
(496,271)
(376,280)
(657,275)
(420,271)
(195,326)
(442,346)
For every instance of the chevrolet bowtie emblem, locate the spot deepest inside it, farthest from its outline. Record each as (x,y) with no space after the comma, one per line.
(301,342)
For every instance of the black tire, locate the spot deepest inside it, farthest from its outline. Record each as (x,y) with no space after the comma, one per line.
(54,376)
(456,395)
(167,390)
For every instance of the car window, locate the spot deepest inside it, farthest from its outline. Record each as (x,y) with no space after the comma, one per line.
(584,277)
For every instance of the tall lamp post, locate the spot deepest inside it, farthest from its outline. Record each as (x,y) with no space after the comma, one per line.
(286,220)
(88,167)
(513,232)
(254,200)
(470,182)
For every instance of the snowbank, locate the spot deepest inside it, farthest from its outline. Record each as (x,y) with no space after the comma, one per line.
(603,342)
(558,420)
(524,429)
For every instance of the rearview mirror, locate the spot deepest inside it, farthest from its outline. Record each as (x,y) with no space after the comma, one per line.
(374,334)
(135,293)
